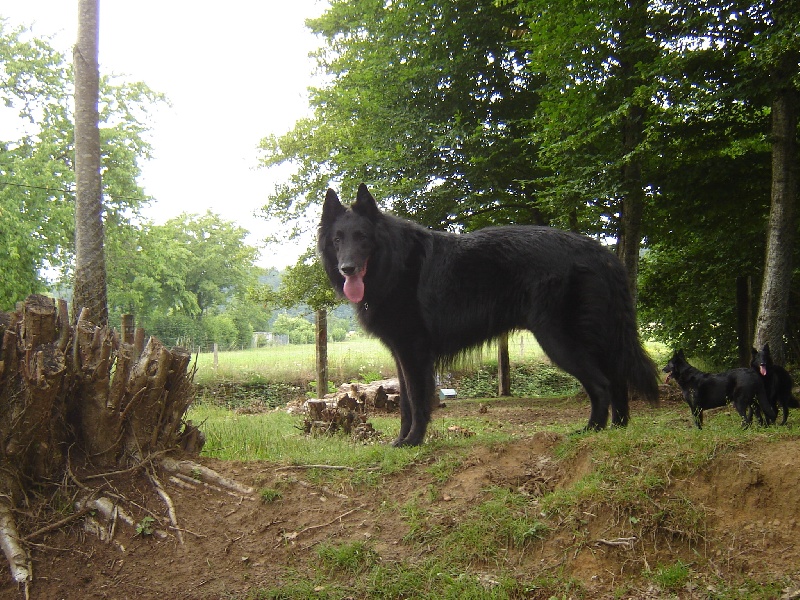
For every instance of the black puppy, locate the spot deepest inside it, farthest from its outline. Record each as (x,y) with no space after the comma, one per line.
(742,387)
(777,381)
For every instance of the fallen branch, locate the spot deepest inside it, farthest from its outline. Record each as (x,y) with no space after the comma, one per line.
(187,482)
(329,467)
(295,534)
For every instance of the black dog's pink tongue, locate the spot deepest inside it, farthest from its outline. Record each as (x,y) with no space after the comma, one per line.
(354,287)
(763,371)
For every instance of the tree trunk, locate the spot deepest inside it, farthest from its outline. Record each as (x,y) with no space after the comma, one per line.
(503,367)
(634,49)
(90,268)
(322,352)
(774,302)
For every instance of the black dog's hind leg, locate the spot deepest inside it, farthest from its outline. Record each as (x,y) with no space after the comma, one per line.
(769,410)
(620,409)
(697,413)
(569,355)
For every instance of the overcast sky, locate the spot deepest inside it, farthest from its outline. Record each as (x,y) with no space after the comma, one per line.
(234,71)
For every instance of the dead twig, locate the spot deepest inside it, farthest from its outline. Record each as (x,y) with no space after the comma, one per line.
(140,465)
(57,525)
(328,467)
(624,542)
(295,534)
(339,518)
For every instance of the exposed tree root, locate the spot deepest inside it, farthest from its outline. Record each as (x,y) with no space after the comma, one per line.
(108,508)
(18,558)
(9,540)
(173,516)
(196,471)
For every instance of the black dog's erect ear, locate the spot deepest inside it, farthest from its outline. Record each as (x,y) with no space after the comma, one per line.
(681,355)
(332,208)
(365,203)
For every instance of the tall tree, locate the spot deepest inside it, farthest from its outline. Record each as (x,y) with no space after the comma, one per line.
(90,267)
(782,62)
(37,200)
(220,265)
(714,172)
(596,113)
(427,101)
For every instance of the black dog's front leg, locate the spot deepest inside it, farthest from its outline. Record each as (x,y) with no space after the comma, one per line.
(697,413)
(415,370)
(405,406)
(690,397)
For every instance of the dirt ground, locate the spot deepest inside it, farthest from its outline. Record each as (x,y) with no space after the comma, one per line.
(234,544)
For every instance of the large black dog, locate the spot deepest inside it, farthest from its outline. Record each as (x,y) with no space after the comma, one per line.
(701,391)
(429,296)
(777,381)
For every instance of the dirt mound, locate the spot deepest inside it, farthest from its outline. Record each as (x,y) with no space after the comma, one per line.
(746,500)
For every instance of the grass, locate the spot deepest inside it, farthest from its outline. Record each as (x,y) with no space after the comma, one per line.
(277,437)
(629,472)
(347,361)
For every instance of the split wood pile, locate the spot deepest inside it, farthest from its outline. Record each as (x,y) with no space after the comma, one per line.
(347,409)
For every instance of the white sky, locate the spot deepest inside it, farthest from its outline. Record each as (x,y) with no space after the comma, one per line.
(235,71)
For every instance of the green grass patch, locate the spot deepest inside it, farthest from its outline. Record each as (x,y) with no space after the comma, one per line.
(358,359)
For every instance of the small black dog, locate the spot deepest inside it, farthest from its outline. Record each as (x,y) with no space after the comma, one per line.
(742,387)
(777,381)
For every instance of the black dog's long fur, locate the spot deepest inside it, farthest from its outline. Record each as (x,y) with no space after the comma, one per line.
(430,295)
(702,391)
(777,381)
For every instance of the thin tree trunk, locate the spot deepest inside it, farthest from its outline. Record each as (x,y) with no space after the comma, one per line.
(322,352)
(90,268)
(774,303)
(744,319)
(630,230)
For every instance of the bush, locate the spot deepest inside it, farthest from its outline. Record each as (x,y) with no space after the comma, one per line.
(527,380)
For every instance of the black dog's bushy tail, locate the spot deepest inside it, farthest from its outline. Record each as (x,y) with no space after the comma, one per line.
(642,372)
(638,368)
(793,401)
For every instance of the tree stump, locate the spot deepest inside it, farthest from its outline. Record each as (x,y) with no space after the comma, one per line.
(80,388)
